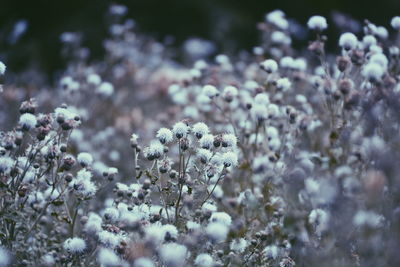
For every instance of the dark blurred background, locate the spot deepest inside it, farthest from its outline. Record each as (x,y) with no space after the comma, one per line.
(231,24)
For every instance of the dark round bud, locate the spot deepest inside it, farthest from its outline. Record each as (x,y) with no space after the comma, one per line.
(60,118)
(343,63)
(68,178)
(173,174)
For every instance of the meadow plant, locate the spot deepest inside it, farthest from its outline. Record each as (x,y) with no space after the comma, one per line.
(279,157)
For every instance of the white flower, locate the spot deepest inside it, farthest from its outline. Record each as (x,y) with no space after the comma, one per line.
(191,225)
(320,219)
(283,84)
(229,140)
(93,224)
(93,78)
(85,159)
(395,22)
(143,262)
(229,93)
(109,239)
(27,121)
(200,129)
(274,144)
(230,159)
(165,135)
(107,257)
(373,71)
(6,164)
(204,260)
(75,245)
(221,217)
(368,218)
(277,18)
(286,62)
(317,23)
(380,59)
(207,141)
(369,40)
(261,99)
(279,37)
(105,89)
(204,155)
(238,245)
(5,258)
(271,252)
(259,112)
(272,132)
(180,129)
(173,254)
(269,65)
(210,91)
(111,214)
(154,150)
(217,231)
(170,231)
(348,41)
(2,68)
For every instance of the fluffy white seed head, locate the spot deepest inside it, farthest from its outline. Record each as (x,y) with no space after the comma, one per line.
(2,68)
(230,159)
(395,22)
(373,71)
(144,262)
(217,231)
(210,91)
(204,260)
(85,159)
(173,254)
(165,135)
(107,257)
(200,129)
(283,84)
(221,217)
(180,129)
(207,141)
(348,41)
(75,245)
(380,59)
(317,23)
(93,79)
(5,258)
(238,245)
(27,121)
(269,65)
(229,140)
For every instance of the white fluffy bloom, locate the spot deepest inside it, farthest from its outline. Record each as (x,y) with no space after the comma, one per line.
(5,164)
(2,68)
(173,254)
(369,40)
(368,218)
(165,135)
(238,245)
(283,84)
(144,262)
(170,231)
(217,231)
(229,93)
(111,214)
(210,91)
(274,144)
(93,223)
(320,219)
(279,37)
(109,239)
(5,258)
(272,132)
(229,140)
(277,18)
(191,225)
(395,22)
(259,112)
(348,41)
(271,252)
(380,59)
(93,78)
(286,62)
(180,129)
(200,129)
(204,260)
(207,141)
(230,159)
(373,71)
(221,217)
(27,121)
(317,23)
(154,150)
(261,99)
(107,257)
(204,155)
(269,65)
(105,89)
(85,159)
(75,245)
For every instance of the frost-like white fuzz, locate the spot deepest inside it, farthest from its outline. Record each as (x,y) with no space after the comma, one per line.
(238,245)
(380,59)
(395,22)
(272,132)
(369,40)
(75,245)
(200,129)
(204,260)
(173,254)
(155,233)
(269,65)
(180,129)
(93,79)
(170,231)
(221,217)
(165,135)
(107,257)
(217,231)
(277,18)
(229,93)
(229,140)
(317,23)
(210,91)
(105,89)
(261,99)
(93,224)
(259,112)
(273,111)
(27,121)
(191,225)
(230,159)
(111,214)
(299,64)
(204,155)
(286,62)
(271,252)
(154,150)
(5,164)
(144,262)
(320,219)
(279,37)
(85,159)
(207,141)
(109,239)
(373,71)
(2,68)
(348,41)
(5,258)
(368,218)
(283,84)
